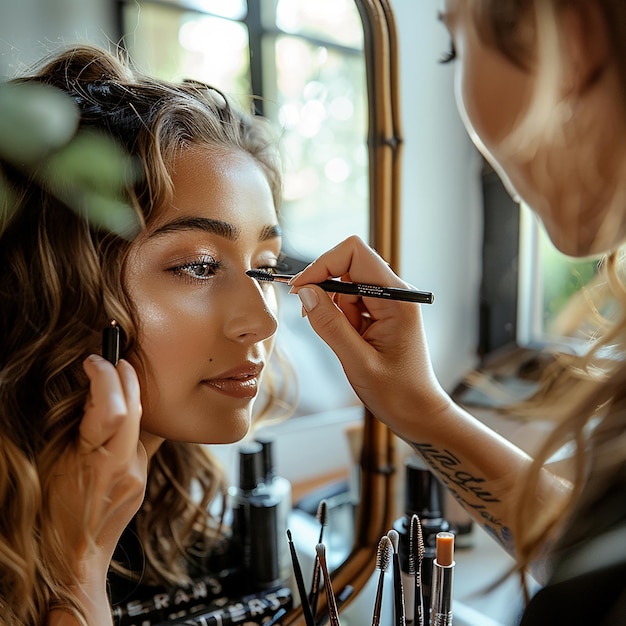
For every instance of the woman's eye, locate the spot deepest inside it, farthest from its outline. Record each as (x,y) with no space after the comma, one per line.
(201,270)
(450,55)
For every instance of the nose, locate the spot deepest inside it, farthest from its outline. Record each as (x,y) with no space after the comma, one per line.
(252,317)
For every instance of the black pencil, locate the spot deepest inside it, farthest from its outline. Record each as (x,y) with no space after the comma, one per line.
(355,289)
(297,570)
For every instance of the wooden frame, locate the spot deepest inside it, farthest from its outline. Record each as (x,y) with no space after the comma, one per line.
(378,471)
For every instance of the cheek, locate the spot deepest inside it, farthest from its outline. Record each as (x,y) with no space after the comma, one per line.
(494,96)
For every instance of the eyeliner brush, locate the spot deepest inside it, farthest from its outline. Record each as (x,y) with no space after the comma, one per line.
(383,556)
(333,611)
(416,556)
(398,592)
(306,608)
(355,289)
(322,518)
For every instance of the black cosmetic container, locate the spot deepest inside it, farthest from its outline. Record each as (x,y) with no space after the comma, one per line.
(424,495)
(256,522)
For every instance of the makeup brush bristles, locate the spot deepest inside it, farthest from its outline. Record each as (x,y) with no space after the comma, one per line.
(394,538)
(416,545)
(416,556)
(383,558)
(322,517)
(261,275)
(383,553)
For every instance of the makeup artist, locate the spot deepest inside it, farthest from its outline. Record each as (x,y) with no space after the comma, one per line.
(541,87)
(89,451)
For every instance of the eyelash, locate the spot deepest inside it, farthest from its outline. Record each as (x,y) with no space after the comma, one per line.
(449,56)
(185,271)
(207,263)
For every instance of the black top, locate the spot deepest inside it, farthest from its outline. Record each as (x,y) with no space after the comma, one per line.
(588,583)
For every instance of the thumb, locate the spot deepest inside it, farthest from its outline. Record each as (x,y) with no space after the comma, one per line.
(332,325)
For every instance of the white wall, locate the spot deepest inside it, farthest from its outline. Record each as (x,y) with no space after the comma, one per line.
(441,196)
(31,28)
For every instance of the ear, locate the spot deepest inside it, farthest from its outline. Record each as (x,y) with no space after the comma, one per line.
(586,46)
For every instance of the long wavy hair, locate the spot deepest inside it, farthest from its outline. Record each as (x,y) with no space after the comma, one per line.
(583,395)
(61,282)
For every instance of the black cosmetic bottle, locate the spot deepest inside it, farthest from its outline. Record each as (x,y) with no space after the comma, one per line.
(424,495)
(257,527)
(278,489)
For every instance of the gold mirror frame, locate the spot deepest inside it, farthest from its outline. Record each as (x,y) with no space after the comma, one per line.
(375,510)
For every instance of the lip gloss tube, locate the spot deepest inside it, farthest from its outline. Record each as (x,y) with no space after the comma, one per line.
(443,575)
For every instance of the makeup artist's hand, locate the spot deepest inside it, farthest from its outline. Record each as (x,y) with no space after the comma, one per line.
(98,484)
(380,343)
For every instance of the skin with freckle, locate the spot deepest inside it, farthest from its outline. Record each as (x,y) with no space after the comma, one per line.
(193,336)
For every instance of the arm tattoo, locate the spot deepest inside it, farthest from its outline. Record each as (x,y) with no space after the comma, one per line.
(470,490)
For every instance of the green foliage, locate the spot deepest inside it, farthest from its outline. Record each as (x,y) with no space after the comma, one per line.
(86,170)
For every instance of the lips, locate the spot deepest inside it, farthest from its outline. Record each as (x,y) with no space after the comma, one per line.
(240,382)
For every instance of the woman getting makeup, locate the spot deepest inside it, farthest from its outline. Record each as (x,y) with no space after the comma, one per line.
(90,450)
(541,88)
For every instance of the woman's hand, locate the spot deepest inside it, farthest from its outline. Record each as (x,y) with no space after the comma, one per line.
(99,483)
(380,343)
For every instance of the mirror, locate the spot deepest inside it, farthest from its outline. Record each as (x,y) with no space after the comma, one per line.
(375,509)
(100,22)
(173,38)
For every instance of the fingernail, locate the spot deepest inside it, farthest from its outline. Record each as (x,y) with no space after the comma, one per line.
(308,297)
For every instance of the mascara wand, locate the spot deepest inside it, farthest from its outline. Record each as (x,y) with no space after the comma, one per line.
(306,608)
(383,556)
(398,592)
(322,518)
(416,556)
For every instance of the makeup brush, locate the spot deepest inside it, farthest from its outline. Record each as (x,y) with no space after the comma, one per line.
(355,289)
(322,518)
(341,598)
(383,556)
(398,593)
(333,611)
(297,570)
(416,556)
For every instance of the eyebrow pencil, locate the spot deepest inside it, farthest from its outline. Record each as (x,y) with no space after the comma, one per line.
(443,575)
(383,556)
(355,289)
(306,608)
(111,342)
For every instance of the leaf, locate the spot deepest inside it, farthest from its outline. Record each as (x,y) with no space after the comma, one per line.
(35,120)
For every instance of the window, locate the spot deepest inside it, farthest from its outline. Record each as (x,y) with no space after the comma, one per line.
(304,63)
(555,291)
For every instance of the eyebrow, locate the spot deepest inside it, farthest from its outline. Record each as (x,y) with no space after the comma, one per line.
(215,227)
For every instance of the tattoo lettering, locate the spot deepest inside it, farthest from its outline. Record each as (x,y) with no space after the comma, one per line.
(468,489)
(448,467)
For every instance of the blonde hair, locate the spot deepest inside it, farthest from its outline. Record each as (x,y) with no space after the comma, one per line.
(585,395)
(61,283)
